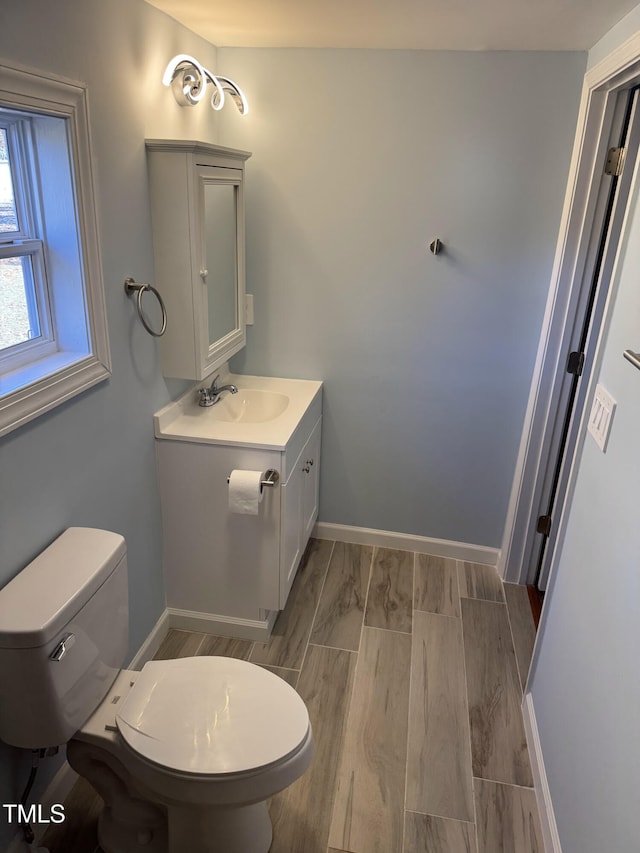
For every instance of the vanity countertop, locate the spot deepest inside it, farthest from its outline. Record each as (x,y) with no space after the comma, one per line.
(231,421)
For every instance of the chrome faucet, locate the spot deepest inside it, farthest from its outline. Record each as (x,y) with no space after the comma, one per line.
(210,396)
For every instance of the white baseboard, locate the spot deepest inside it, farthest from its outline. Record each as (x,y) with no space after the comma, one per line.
(408,542)
(151,645)
(258,630)
(543,795)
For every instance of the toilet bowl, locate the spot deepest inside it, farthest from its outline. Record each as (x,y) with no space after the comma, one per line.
(207,741)
(185,753)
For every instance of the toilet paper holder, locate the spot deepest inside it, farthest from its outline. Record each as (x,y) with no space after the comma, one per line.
(271,478)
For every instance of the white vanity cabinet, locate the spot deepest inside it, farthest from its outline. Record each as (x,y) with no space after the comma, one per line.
(197,214)
(225,572)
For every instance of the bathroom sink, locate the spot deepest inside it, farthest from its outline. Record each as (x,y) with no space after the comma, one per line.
(249,406)
(265,413)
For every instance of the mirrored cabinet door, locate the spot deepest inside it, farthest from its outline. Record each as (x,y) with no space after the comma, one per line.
(220,255)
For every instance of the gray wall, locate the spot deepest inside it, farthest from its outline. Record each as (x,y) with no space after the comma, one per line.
(584,682)
(361,158)
(91,462)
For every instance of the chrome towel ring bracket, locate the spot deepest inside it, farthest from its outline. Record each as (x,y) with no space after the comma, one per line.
(130,287)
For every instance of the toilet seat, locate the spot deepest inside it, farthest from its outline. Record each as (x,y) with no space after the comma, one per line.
(212,716)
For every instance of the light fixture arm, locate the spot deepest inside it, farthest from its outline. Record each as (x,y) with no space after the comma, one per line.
(187,78)
(237,95)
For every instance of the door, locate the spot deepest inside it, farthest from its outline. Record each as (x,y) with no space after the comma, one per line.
(572,382)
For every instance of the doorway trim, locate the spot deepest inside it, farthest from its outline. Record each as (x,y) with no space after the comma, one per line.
(600,90)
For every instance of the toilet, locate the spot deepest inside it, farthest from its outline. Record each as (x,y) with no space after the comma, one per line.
(185,753)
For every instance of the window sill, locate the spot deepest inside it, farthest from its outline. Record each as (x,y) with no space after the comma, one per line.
(38,387)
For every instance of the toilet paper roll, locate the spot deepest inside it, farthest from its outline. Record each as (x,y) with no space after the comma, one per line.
(245,492)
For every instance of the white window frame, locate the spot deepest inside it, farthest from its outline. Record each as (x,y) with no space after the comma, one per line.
(26,241)
(72,353)
(16,132)
(20,354)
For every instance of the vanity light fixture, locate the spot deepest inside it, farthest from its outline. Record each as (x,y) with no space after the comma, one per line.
(188,80)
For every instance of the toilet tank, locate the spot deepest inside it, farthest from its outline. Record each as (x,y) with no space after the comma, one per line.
(64,635)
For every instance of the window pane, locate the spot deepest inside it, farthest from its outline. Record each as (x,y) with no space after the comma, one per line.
(18,307)
(8,215)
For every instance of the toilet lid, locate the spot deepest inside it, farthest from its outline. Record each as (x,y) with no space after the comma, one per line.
(211,715)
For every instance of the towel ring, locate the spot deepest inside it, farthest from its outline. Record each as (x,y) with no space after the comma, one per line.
(130,286)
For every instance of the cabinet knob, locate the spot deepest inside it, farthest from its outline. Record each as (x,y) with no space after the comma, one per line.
(204,274)
(306,469)
(309,462)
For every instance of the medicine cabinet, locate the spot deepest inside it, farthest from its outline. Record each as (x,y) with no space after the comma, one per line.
(197,211)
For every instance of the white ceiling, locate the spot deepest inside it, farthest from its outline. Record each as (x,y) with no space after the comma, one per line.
(406,24)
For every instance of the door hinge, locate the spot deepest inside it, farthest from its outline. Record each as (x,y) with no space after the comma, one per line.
(615,161)
(544,525)
(575,363)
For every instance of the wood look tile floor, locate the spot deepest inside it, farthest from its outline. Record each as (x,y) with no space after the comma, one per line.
(412,668)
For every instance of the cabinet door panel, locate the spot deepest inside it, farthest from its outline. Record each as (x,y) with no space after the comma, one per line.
(216,561)
(299,510)
(291,531)
(310,459)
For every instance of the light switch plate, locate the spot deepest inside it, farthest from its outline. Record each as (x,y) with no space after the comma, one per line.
(601,417)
